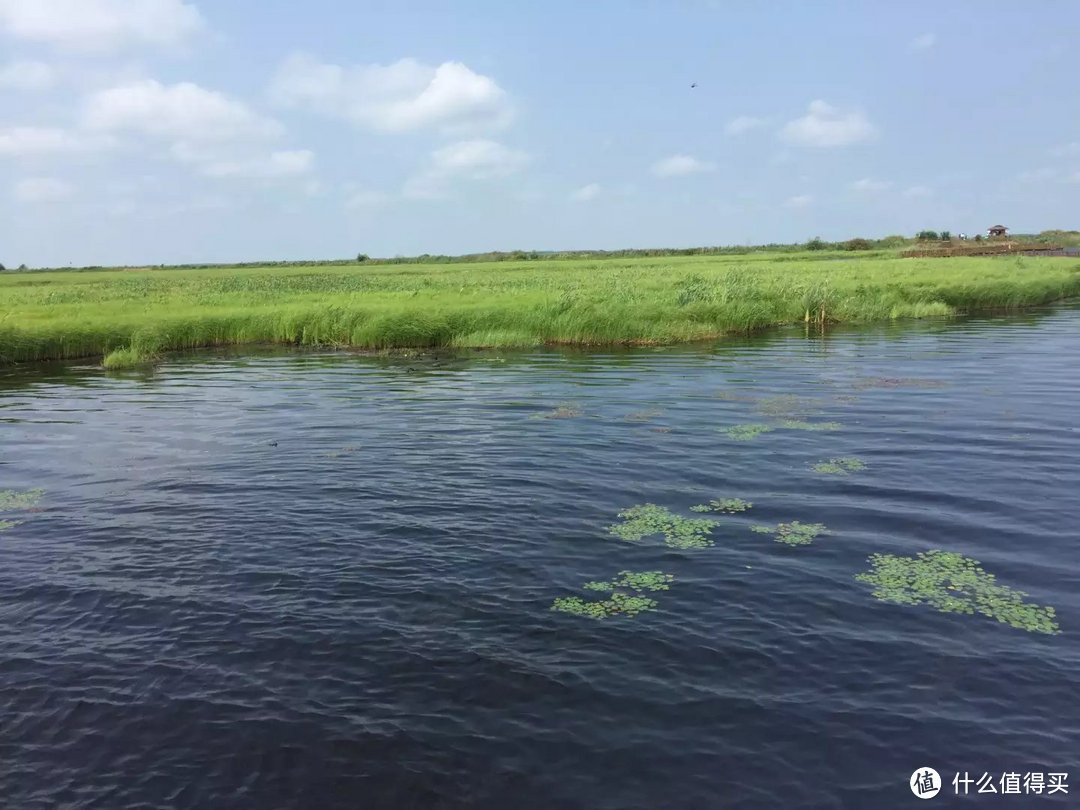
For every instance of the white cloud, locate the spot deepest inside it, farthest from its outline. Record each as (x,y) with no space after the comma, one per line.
(923,42)
(182,112)
(364,199)
(678,165)
(100,25)
(918,192)
(42,190)
(465,160)
(825,126)
(869,184)
(29,141)
(276,165)
(743,124)
(1066,150)
(585,193)
(799,201)
(1038,175)
(27,75)
(406,95)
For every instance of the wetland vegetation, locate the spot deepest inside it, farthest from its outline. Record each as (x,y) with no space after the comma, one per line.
(133,315)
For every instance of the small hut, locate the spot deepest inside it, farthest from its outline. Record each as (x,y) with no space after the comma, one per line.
(997,230)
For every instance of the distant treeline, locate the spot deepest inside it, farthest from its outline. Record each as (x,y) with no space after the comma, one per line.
(896,242)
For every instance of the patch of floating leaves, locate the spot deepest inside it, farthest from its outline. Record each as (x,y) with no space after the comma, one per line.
(794,533)
(786,405)
(896,382)
(11,501)
(562,412)
(796,424)
(625,595)
(649,519)
(952,583)
(727,505)
(839,466)
(744,433)
(643,416)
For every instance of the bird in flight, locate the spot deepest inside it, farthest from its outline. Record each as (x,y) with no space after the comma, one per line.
(693,85)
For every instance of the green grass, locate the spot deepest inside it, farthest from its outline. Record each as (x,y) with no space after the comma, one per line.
(654,300)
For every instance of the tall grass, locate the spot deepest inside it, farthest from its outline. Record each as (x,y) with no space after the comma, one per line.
(135,315)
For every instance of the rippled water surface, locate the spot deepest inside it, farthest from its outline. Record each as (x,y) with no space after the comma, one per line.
(324,580)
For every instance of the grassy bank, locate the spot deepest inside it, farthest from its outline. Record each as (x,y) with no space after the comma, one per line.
(133,315)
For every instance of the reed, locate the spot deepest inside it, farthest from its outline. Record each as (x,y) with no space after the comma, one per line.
(135,315)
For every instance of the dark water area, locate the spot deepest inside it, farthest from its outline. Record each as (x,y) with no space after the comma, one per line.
(324,580)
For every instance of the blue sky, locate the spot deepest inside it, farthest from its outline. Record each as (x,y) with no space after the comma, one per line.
(160,131)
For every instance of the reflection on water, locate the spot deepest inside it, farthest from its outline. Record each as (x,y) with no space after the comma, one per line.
(279,579)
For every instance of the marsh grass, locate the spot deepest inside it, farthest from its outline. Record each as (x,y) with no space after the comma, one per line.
(952,583)
(794,533)
(649,519)
(624,595)
(839,466)
(648,301)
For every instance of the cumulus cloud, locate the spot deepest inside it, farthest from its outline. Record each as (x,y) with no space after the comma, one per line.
(465,160)
(869,184)
(918,192)
(744,124)
(364,199)
(585,193)
(1071,149)
(36,141)
(799,201)
(27,75)
(184,112)
(276,165)
(42,190)
(923,42)
(406,95)
(678,165)
(100,25)
(1038,175)
(825,126)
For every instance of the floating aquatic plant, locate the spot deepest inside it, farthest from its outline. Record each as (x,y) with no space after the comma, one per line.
(744,433)
(11,501)
(624,595)
(562,412)
(794,533)
(952,583)
(649,519)
(840,466)
(643,416)
(8,524)
(796,424)
(727,505)
(897,382)
(786,405)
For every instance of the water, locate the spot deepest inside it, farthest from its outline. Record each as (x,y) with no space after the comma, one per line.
(297,580)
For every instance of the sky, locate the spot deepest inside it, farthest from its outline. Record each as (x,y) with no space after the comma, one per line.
(168,131)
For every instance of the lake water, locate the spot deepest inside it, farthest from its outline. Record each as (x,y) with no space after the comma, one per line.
(288,580)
